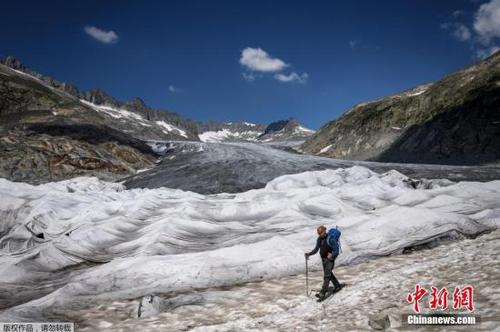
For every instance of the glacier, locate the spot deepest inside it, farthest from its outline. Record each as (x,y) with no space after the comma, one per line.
(74,244)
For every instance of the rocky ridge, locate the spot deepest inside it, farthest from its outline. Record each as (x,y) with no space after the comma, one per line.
(453,121)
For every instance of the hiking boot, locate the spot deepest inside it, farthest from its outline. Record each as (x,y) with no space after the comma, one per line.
(318,294)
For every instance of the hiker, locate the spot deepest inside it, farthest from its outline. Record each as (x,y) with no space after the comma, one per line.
(328,246)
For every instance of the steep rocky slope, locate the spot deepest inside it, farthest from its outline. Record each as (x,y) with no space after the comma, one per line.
(452,121)
(47,134)
(24,89)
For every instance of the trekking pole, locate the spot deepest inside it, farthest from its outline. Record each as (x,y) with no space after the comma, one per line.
(307,279)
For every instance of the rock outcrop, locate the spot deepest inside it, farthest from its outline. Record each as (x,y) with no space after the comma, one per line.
(284,130)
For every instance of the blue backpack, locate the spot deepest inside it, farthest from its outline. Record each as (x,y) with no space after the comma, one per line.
(333,241)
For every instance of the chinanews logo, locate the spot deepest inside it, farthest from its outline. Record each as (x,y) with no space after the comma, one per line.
(442,306)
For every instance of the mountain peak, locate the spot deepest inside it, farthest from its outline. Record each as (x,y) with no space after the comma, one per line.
(12,62)
(282,125)
(289,129)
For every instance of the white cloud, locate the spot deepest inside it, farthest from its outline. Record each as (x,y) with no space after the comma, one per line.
(257,59)
(353,43)
(258,63)
(460,31)
(484,31)
(103,36)
(483,53)
(292,77)
(487,21)
(174,89)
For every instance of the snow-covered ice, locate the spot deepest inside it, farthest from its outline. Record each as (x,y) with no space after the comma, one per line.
(237,167)
(76,243)
(374,288)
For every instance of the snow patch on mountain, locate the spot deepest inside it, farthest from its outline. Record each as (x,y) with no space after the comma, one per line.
(301,130)
(114,112)
(418,93)
(279,131)
(171,128)
(227,134)
(325,149)
(123,114)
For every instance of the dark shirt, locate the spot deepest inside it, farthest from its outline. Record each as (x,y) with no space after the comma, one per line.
(322,246)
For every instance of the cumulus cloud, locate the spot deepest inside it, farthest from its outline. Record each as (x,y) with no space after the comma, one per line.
(103,36)
(258,63)
(257,59)
(482,35)
(292,77)
(487,21)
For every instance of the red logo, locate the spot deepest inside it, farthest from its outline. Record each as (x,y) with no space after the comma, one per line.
(462,298)
(416,296)
(439,299)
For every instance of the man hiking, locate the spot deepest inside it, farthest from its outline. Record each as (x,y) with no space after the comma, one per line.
(329,247)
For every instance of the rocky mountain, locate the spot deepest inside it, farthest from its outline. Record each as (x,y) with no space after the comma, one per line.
(50,130)
(285,130)
(140,120)
(279,131)
(229,131)
(133,117)
(455,120)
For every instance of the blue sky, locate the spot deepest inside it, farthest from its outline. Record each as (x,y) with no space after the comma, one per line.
(257,61)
